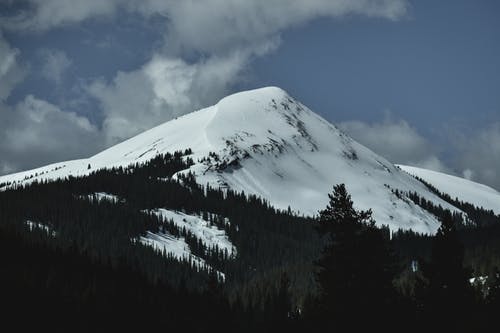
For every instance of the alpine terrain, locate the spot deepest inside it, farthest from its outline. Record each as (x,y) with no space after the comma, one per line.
(264,142)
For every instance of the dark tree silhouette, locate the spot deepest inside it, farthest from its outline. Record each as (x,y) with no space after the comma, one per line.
(356,268)
(449,296)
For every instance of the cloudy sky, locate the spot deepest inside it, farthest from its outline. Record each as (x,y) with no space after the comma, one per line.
(416,81)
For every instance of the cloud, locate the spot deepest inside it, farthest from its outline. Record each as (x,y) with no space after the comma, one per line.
(478,154)
(33,131)
(42,15)
(54,64)
(11,72)
(193,20)
(36,132)
(397,141)
(217,25)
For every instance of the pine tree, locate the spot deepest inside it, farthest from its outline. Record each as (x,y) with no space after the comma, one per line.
(278,308)
(449,294)
(356,268)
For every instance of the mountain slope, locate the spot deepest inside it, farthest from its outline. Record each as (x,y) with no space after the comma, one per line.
(266,143)
(465,190)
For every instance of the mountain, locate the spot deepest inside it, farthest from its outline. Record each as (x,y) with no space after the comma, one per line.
(76,235)
(479,195)
(264,142)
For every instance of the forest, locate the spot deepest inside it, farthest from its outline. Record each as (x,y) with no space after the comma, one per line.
(73,262)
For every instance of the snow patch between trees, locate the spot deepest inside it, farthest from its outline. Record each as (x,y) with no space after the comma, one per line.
(176,247)
(167,244)
(210,235)
(103,196)
(32,226)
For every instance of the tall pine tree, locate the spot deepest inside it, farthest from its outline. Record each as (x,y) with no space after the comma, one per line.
(356,269)
(449,295)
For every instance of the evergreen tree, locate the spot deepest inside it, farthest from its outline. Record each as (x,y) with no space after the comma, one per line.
(356,269)
(449,295)
(283,306)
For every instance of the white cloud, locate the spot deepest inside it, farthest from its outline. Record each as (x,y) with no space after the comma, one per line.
(11,73)
(194,20)
(478,154)
(217,25)
(54,64)
(35,132)
(397,141)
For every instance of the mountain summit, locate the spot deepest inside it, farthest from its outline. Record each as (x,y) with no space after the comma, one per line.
(265,142)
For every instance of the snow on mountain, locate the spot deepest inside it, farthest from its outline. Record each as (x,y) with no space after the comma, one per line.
(266,143)
(210,235)
(40,226)
(465,190)
(177,247)
(102,196)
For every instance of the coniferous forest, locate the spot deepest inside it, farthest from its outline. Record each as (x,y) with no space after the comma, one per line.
(72,262)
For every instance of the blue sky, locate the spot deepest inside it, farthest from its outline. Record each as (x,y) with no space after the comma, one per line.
(416,81)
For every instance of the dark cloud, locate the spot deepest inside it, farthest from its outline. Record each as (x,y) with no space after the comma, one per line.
(11,72)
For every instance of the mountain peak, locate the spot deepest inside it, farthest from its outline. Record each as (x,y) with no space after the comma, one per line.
(263,94)
(257,100)
(264,142)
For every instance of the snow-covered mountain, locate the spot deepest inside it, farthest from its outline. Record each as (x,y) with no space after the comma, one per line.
(465,190)
(267,143)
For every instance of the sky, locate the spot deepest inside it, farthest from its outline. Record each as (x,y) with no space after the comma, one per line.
(416,81)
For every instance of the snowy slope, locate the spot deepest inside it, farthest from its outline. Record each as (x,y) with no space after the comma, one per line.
(267,143)
(210,235)
(465,190)
(177,247)
(102,196)
(40,226)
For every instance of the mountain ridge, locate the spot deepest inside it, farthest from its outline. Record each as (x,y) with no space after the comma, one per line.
(264,142)
(480,195)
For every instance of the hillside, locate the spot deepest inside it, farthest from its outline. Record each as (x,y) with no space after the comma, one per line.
(465,190)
